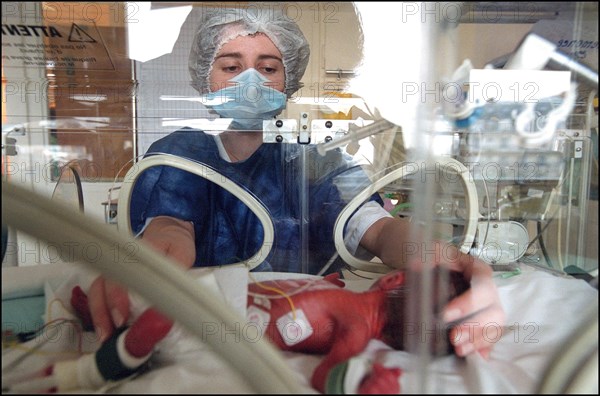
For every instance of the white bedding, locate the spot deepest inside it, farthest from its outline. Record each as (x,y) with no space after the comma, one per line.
(542,310)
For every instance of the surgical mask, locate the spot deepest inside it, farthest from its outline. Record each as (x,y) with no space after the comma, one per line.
(248,102)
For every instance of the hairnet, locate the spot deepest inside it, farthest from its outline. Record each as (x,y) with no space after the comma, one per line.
(218,26)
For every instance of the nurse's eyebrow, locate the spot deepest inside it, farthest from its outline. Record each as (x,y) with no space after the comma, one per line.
(229,55)
(262,57)
(238,55)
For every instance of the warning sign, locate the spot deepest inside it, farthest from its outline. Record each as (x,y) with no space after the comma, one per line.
(80,36)
(60,46)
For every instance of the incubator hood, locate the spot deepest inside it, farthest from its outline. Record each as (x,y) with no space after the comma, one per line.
(477,122)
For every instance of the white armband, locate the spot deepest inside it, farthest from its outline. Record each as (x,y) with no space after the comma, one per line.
(346,377)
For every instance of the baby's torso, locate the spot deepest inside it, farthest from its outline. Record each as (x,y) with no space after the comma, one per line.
(297,315)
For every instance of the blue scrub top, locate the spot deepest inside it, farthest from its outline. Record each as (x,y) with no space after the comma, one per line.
(227,231)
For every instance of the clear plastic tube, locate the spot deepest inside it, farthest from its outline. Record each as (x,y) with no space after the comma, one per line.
(366,131)
(155,278)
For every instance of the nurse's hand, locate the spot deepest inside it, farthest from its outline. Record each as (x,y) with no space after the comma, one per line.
(174,238)
(388,239)
(109,306)
(480,306)
(109,301)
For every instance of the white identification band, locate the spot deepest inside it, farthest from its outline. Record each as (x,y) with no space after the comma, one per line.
(357,368)
(346,377)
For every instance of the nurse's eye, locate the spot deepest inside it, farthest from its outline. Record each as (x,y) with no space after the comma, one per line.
(231,69)
(269,67)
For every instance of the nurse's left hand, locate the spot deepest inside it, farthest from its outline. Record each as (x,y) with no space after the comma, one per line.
(387,238)
(480,306)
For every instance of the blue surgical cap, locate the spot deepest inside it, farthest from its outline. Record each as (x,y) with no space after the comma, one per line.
(219,25)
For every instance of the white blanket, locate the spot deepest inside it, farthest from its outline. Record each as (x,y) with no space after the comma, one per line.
(542,311)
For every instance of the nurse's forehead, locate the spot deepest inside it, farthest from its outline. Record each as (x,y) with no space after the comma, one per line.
(258,43)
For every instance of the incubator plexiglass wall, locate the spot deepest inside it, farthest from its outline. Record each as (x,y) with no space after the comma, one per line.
(476,121)
(92,86)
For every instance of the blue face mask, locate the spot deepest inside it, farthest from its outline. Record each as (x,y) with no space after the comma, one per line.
(249,102)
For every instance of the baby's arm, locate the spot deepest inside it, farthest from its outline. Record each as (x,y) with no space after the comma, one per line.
(350,339)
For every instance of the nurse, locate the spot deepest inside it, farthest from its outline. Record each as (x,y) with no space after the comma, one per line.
(245,64)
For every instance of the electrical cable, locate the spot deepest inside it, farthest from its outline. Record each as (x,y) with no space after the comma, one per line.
(566,174)
(280,292)
(542,244)
(329,263)
(36,349)
(51,331)
(351,270)
(489,215)
(114,183)
(154,277)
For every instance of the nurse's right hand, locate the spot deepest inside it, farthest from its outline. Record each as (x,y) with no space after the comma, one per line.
(109,306)
(109,301)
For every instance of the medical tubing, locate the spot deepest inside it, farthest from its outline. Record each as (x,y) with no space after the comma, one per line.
(329,263)
(112,362)
(118,358)
(197,168)
(280,292)
(82,373)
(406,170)
(156,278)
(540,238)
(537,138)
(363,132)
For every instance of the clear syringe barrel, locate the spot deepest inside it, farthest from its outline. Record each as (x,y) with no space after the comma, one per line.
(354,136)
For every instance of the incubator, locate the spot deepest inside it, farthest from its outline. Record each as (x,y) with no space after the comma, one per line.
(410,110)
